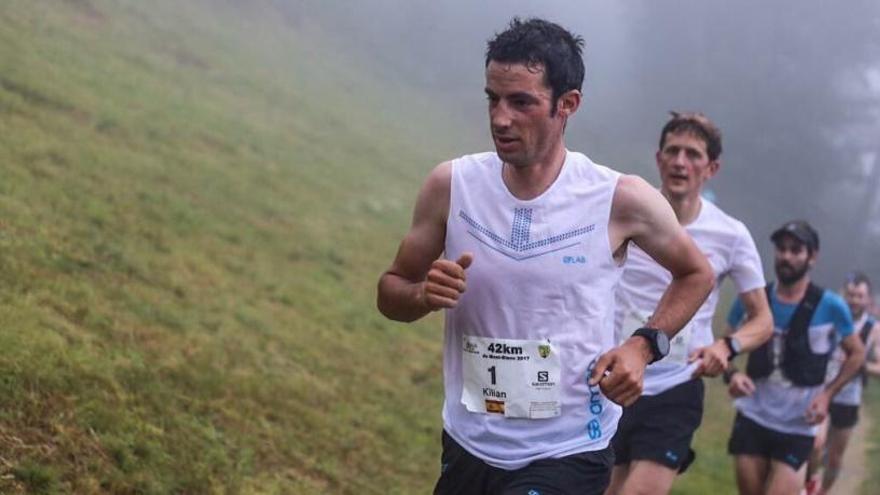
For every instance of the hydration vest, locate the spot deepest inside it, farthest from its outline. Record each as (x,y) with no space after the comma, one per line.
(798,362)
(865,334)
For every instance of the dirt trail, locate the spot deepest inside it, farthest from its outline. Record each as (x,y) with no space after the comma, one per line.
(854,470)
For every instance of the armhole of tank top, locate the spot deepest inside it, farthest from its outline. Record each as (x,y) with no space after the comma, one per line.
(608,250)
(453,173)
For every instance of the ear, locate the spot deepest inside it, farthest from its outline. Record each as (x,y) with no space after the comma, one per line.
(713,167)
(568,103)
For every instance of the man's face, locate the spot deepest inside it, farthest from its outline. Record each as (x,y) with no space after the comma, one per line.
(858,297)
(793,260)
(520,104)
(684,164)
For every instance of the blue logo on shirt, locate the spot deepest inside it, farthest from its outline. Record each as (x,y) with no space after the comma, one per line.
(594,427)
(520,236)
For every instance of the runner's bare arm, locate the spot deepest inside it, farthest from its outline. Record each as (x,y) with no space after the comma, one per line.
(757,329)
(639,213)
(642,215)
(855,357)
(872,355)
(417,281)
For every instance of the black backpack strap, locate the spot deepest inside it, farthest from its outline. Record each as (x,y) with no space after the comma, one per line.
(800,320)
(865,332)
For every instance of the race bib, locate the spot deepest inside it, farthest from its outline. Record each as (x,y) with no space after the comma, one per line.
(678,346)
(516,378)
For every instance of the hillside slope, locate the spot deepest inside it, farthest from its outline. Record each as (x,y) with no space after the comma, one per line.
(196,200)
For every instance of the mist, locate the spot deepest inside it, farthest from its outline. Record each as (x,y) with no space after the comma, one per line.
(793,85)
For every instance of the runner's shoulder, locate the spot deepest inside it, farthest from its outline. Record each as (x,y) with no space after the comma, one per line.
(833,308)
(723,222)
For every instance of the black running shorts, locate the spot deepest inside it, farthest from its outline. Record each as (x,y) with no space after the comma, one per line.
(660,427)
(750,438)
(581,474)
(843,416)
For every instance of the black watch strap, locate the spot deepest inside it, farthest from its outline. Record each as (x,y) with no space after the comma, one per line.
(658,341)
(734,352)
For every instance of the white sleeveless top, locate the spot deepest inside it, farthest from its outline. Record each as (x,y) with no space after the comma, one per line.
(537,313)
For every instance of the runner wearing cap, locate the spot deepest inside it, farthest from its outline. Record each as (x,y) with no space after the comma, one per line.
(653,440)
(782,396)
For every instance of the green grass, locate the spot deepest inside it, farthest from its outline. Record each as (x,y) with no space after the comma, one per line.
(870,408)
(195,203)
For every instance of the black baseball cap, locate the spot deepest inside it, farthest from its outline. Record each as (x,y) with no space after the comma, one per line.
(800,230)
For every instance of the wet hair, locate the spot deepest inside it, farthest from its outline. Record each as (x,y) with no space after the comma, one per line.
(859,278)
(536,42)
(697,124)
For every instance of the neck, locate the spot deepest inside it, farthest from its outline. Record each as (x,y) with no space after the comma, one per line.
(857,316)
(686,208)
(530,181)
(792,293)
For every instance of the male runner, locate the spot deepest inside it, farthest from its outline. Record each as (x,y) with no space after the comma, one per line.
(653,438)
(530,369)
(782,396)
(843,413)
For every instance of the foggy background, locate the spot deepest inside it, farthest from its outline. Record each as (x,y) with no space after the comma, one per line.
(793,85)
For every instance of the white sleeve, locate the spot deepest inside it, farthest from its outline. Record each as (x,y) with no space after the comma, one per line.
(745,263)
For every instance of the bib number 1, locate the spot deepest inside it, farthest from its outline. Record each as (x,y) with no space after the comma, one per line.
(516,378)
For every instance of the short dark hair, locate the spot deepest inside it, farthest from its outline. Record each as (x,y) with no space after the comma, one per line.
(536,41)
(697,124)
(859,278)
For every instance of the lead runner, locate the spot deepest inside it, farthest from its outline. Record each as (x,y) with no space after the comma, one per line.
(523,248)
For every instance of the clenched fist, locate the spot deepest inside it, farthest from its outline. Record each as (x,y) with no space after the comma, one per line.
(445,282)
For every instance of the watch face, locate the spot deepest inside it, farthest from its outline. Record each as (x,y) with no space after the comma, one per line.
(734,344)
(662,343)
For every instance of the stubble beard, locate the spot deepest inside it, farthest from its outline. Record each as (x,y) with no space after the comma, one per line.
(792,275)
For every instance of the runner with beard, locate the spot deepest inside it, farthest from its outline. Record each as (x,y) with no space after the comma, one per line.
(843,413)
(782,396)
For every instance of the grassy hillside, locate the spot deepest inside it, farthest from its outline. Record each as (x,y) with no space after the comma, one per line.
(872,405)
(196,200)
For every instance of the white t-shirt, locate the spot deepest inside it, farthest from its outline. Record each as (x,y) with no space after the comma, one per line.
(731,251)
(538,311)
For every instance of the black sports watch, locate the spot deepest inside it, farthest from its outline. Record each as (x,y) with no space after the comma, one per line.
(659,342)
(733,346)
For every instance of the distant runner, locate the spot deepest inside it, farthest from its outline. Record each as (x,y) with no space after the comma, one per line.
(844,409)
(782,396)
(653,440)
(532,239)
